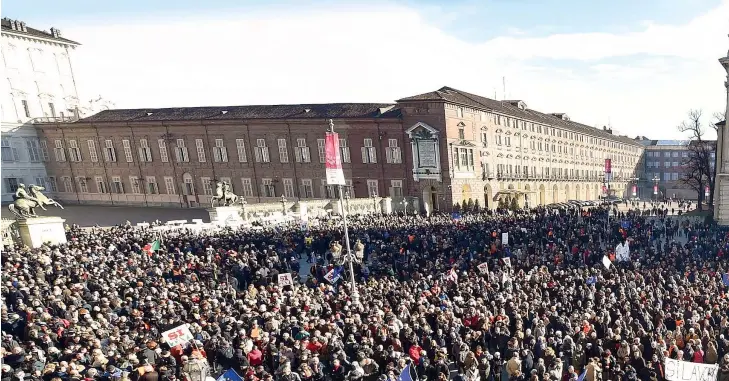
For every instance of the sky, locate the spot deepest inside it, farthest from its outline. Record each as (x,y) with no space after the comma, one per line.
(637,66)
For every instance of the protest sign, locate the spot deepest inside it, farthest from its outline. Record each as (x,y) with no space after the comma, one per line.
(285,279)
(483,268)
(505,238)
(507,261)
(688,371)
(606,262)
(178,335)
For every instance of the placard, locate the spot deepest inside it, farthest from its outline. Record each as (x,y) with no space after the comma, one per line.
(505,238)
(333,162)
(177,336)
(688,371)
(483,268)
(285,279)
(606,262)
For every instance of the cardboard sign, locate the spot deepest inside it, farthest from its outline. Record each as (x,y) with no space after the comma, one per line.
(688,371)
(505,238)
(285,279)
(177,336)
(483,268)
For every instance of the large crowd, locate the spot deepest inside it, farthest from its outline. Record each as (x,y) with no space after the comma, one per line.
(485,297)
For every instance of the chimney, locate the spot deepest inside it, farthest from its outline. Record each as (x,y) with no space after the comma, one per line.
(55,32)
(13,25)
(22,27)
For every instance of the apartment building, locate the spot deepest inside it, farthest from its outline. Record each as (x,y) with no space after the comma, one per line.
(439,148)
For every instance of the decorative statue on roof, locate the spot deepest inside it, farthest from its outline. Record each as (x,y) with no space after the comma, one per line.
(27,200)
(223,194)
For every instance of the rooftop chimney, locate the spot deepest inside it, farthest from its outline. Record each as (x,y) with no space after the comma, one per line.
(55,32)
(22,27)
(13,25)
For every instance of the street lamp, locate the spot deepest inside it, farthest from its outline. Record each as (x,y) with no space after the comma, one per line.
(405,206)
(283,204)
(634,190)
(374,202)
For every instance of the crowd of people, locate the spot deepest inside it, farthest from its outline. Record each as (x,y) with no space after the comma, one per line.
(486,297)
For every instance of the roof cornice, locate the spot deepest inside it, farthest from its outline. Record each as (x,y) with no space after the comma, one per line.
(34,37)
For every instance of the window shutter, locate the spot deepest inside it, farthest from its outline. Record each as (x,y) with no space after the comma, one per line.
(298,152)
(142,156)
(373,155)
(306,154)
(364,155)
(398,155)
(388,155)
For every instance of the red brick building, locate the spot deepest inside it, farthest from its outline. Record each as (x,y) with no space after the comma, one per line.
(439,147)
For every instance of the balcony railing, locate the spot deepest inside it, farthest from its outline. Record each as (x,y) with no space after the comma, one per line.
(54,119)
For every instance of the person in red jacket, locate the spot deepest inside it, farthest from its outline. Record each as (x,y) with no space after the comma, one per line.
(255,357)
(415,352)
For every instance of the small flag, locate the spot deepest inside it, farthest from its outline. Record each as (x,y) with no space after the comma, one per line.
(229,375)
(456,216)
(725,279)
(405,374)
(591,280)
(451,276)
(582,376)
(334,275)
(150,248)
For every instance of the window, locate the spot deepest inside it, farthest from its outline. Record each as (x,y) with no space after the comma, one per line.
(44,149)
(666,154)
(8,152)
(499,141)
(667,164)
(83,186)
(283,153)
(117,186)
(369,155)
(321,146)
(101,185)
(67,185)
(145,153)
(507,141)
(485,140)
(394,155)
(267,189)
(200,147)
(181,152)
(288,185)
(58,150)
(11,184)
(207,185)
(31,145)
(41,182)
(127,150)
(345,150)
(162,150)
(247,190)
(169,185)
(674,164)
(25,108)
(52,184)
(396,188)
(74,152)
(152,185)
(327,191)
(302,152)
(109,152)
(92,151)
(307,190)
(463,159)
(240,145)
(372,188)
(675,154)
(674,176)
(350,188)
(262,151)
(189,186)
(220,153)
(459,112)
(134,181)
(684,154)
(461,133)
(666,176)
(52,109)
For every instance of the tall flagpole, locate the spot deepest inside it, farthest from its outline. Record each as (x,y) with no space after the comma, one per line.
(350,256)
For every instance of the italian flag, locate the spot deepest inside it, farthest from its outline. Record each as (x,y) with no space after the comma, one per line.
(150,248)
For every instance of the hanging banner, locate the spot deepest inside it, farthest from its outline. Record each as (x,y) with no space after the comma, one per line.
(334,173)
(688,371)
(706,191)
(655,189)
(635,190)
(604,190)
(608,166)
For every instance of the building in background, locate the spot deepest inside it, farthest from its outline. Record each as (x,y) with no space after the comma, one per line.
(663,165)
(721,188)
(436,149)
(40,88)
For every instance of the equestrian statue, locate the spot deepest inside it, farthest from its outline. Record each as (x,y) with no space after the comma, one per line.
(223,195)
(27,200)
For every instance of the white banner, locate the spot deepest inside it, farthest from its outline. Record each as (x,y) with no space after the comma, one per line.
(606,262)
(688,371)
(177,336)
(285,279)
(505,238)
(622,252)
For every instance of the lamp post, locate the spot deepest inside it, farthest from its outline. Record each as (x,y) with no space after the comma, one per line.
(634,190)
(346,197)
(405,206)
(350,256)
(283,204)
(374,202)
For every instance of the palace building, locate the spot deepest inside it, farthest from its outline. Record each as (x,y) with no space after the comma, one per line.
(433,150)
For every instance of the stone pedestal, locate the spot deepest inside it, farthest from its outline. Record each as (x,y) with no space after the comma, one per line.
(34,232)
(226,215)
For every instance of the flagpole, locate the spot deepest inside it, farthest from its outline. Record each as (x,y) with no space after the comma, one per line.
(349,256)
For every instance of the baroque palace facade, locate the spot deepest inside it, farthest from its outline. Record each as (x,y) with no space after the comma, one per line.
(433,149)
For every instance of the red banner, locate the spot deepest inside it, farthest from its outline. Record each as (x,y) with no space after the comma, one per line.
(333,164)
(706,191)
(608,166)
(655,189)
(635,190)
(604,190)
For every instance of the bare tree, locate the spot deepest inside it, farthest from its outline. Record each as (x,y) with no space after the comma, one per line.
(699,166)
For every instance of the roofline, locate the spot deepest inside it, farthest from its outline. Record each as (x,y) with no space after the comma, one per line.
(161,123)
(65,41)
(628,140)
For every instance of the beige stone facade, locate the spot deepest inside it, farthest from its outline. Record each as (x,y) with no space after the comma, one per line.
(721,188)
(432,149)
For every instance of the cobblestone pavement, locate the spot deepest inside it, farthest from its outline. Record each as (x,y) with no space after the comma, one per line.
(89,215)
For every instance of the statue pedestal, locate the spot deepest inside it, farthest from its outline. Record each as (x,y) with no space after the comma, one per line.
(226,215)
(39,230)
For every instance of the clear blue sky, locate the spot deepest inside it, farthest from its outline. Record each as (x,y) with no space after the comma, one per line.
(467,19)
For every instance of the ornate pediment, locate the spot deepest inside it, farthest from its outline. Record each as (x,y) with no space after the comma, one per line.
(461,124)
(484,128)
(422,131)
(464,143)
(509,156)
(500,155)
